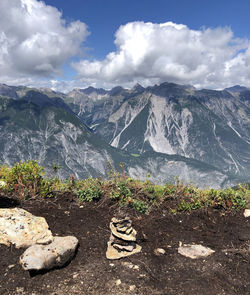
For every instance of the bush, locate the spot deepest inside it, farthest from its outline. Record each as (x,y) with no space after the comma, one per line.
(89,190)
(25,179)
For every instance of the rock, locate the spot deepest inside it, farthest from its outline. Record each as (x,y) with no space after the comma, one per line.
(159,251)
(247,213)
(132,288)
(122,242)
(130,265)
(118,282)
(21,228)
(113,253)
(194,251)
(56,254)
(127,235)
(128,248)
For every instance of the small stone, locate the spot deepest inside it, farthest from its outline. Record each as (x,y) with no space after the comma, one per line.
(128,264)
(159,251)
(247,213)
(132,288)
(75,275)
(11,266)
(136,267)
(194,251)
(118,282)
(56,254)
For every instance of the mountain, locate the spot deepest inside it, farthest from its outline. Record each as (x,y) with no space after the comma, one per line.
(206,125)
(36,125)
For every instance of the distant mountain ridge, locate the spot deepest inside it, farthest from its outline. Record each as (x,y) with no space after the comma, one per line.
(166,130)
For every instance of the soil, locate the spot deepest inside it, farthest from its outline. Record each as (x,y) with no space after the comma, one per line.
(225,272)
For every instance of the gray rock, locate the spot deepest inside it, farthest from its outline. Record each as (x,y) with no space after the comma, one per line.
(56,254)
(21,228)
(194,251)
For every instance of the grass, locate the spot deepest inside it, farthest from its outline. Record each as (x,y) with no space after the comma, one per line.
(27,180)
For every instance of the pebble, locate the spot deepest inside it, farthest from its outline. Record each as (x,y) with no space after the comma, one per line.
(132,287)
(118,282)
(159,251)
(11,266)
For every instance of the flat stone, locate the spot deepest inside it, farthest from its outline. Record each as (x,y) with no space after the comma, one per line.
(123,229)
(123,236)
(247,213)
(22,229)
(128,248)
(56,254)
(194,251)
(113,253)
(119,241)
(117,220)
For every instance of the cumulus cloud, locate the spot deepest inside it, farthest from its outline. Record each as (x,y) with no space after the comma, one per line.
(35,40)
(151,53)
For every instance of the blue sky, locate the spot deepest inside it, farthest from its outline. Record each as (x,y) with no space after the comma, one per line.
(77,43)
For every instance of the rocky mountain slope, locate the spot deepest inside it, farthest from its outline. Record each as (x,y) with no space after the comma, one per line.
(210,126)
(165,137)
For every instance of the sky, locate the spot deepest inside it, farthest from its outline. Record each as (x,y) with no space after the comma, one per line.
(80,43)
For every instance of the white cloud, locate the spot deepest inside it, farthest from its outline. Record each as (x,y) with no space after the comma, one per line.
(151,53)
(35,40)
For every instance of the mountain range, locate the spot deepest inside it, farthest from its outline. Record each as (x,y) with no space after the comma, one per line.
(167,130)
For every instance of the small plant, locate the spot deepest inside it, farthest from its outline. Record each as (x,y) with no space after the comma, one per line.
(55,168)
(89,191)
(140,206)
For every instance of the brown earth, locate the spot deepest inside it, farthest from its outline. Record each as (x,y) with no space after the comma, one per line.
(225,272)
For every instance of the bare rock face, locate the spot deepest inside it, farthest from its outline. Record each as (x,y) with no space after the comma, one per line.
(122,241)
(194,251)
(21,228)
(56,254)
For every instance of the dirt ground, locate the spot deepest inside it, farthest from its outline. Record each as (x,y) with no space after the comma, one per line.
(226,272)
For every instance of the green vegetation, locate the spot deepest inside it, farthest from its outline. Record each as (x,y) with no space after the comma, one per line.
(27,180)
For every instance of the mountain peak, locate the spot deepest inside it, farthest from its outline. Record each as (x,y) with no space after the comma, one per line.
(138,87)
(236,88)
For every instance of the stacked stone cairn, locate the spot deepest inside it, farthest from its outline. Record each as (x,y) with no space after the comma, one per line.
(122,240)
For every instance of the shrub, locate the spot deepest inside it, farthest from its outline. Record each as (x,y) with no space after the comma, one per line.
(25,179)
(89,190)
